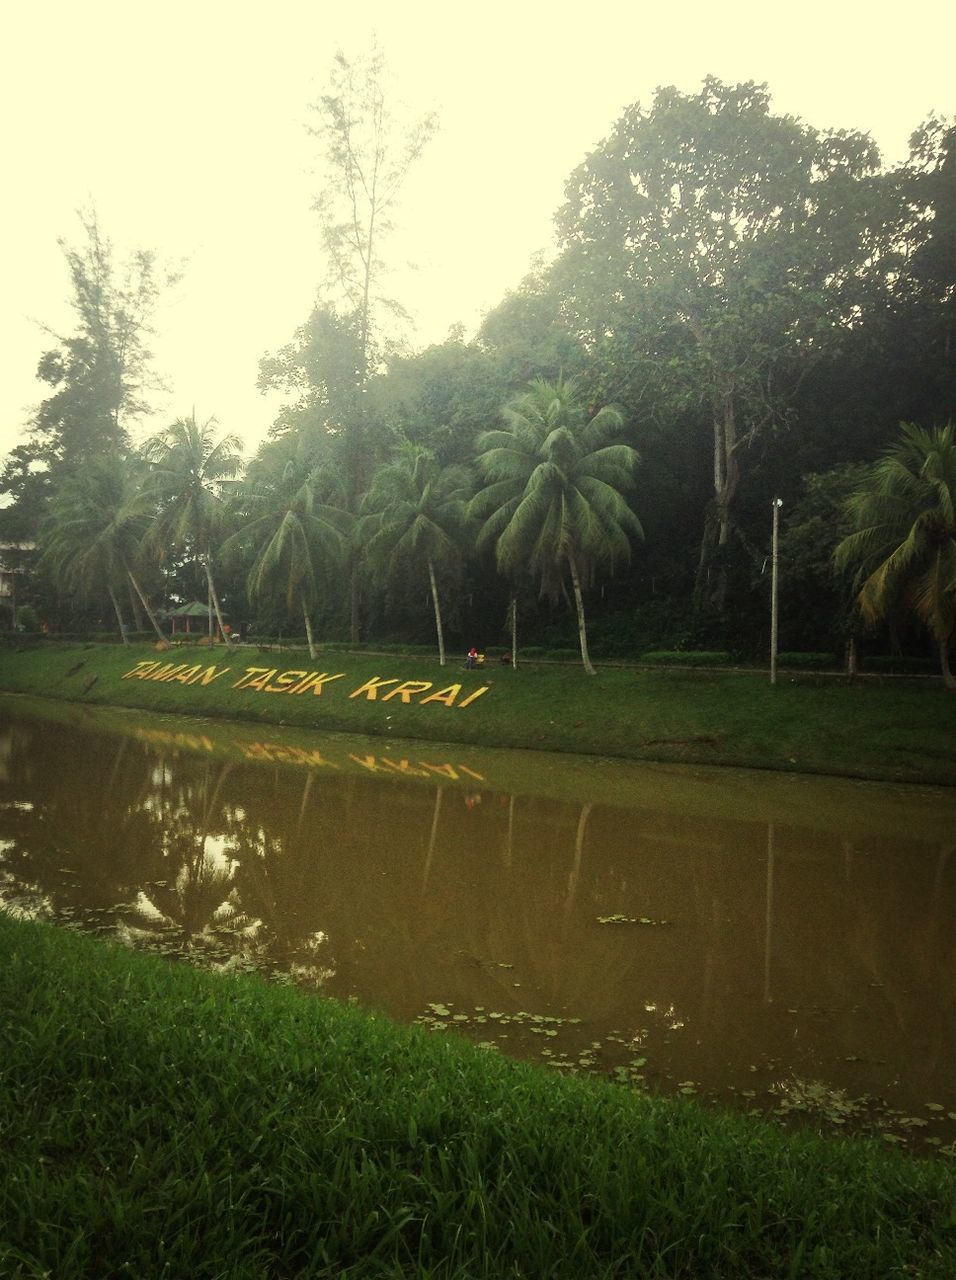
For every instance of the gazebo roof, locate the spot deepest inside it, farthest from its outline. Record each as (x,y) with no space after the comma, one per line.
(192,610)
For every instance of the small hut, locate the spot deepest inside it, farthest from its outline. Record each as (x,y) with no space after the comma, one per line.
(188,619)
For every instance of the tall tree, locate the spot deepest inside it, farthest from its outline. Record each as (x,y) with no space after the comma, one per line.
(100,374)
(904,545)
(367,155)
(416,515)
(718,245)
(189,465)
(93,536)
(553,499)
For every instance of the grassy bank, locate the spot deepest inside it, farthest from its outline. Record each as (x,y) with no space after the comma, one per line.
(901,731)
(162,1121)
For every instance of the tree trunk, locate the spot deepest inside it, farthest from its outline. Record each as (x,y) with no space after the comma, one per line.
(119,616)
(355,602)
(579,605)
(308,628)
(135,607)
(851,658)
(719,523)
(948,680)
(149,613)
(514,630)
(215,598)
(438,626)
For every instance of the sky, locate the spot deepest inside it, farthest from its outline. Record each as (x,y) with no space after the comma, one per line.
(184,124)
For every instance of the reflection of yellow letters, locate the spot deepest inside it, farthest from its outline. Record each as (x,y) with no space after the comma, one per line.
(446,696)
(471,773)
(282,682)
(370,688)
(402,766)
(315,682)
(406,689)
(472,696)
(444,770)
(367,763)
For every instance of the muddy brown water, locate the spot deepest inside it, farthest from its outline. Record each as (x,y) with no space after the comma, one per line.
(784,944)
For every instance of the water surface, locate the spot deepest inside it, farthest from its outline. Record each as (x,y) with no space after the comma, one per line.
(783,943)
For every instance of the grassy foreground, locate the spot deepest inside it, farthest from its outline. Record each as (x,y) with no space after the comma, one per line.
(898,731)
(158,1121)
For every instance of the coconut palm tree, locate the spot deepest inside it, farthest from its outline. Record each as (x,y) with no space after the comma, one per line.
(95,529)
(289,533)
(189,464)
(552,502)
(415,513)
(904,546)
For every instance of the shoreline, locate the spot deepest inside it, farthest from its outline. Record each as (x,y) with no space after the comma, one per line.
(903,732)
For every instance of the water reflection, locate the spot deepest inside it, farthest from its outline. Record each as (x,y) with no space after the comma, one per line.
(798,967)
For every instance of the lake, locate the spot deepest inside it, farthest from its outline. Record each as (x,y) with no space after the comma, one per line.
(781,943)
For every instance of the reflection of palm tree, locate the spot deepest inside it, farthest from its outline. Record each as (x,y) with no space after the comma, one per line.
(575,875)
(202,893)
(436,814)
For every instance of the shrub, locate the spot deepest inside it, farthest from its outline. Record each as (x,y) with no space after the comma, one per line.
(688,657)
(807,661)
(898,664)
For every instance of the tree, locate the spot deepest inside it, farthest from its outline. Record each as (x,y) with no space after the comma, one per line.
(367,158)
(415,515)
(718,246)
(290,533)
(189,466)
(553,499)
(100,373)
(92,538)
(904,545)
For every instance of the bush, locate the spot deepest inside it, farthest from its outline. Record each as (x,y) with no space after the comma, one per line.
(532,651)
(688,657)
(565,655)
(807,661)
(897,664)
(27,618)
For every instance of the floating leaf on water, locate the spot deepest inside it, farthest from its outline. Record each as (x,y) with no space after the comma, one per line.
(934,1106)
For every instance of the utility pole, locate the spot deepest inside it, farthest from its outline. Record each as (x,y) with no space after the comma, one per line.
(776,505)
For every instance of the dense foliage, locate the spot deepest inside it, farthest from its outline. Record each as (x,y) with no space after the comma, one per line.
(752,304)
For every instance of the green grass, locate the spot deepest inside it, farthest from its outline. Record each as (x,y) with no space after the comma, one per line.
(900,730)
(161,1121)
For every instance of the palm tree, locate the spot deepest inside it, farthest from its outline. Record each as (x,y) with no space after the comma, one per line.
(904,544)
(289,531)
(553,499)
(96,525)
(415,513)
(189,465)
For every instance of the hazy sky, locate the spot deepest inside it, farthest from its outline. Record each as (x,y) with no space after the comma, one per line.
(184,123)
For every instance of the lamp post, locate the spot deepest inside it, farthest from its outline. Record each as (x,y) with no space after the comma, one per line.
(776,505)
